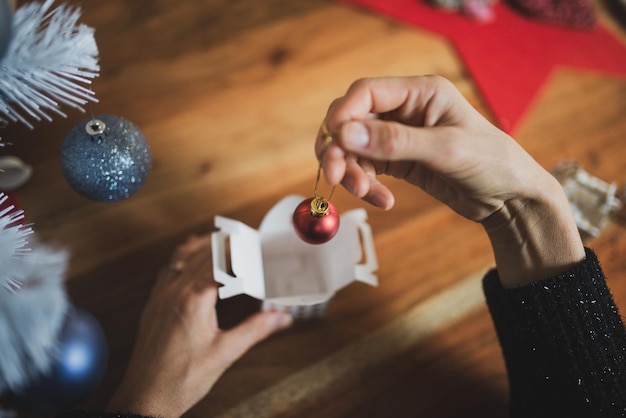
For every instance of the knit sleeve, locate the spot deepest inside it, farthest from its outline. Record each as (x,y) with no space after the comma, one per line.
(563,342)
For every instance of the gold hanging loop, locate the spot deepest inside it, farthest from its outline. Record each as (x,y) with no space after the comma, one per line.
(321,202)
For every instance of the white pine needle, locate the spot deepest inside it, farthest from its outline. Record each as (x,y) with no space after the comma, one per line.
(49,59)
(33,302)
(13,245)
(31,317)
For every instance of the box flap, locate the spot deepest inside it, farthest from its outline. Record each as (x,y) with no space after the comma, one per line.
(240,244)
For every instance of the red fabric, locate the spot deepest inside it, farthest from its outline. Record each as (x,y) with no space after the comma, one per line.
(510,58)
(573,13)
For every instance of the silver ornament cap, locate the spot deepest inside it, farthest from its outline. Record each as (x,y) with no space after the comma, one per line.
(105,158)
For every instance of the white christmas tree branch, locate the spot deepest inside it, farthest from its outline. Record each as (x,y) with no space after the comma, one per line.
(49,59)
(31,317)
(33,302)
(13,240)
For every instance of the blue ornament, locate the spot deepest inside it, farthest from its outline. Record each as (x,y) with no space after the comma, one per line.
(6,18)
(105,158)
(80,365)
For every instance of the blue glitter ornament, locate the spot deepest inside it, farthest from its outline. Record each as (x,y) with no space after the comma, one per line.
(79,366)
(105,158)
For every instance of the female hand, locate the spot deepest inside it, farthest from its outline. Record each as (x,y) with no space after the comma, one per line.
(422,130)
(180,351)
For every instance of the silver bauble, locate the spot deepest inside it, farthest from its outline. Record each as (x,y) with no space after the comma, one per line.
(105,158)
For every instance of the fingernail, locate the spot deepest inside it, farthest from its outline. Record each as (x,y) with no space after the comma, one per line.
(355,135)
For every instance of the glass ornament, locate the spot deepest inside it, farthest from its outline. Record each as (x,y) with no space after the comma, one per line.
(80,364)
(316,220)
(6,19)
(105,158)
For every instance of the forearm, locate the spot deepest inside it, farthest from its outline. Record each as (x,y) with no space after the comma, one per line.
(534,236)
(143,405)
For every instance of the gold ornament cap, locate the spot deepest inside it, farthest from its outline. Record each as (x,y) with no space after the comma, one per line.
(319,206)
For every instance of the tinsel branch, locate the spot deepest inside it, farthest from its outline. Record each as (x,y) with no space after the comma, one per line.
(48,61)
(31,317)
(33,302)
(13,245)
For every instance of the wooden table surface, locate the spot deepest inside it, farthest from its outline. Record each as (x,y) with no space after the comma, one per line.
(229,95)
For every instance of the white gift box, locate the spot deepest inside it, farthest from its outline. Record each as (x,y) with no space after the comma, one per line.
(278,268)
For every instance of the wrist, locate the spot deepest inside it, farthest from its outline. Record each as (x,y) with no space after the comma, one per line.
(144,402)
(534,236)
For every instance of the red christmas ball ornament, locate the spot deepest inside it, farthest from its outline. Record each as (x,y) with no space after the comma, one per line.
(316,220)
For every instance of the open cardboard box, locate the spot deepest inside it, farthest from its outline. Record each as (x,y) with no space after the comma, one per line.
(278,268)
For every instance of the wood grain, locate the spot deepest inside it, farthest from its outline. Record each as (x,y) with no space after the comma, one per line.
(230,95)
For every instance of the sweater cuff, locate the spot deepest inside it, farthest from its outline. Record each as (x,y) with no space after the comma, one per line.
(563,340)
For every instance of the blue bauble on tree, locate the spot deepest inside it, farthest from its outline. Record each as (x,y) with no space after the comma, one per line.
(79,367)
(6,18)
(106,158)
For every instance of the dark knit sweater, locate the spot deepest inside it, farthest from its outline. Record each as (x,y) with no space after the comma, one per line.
(564,344)
(563,341)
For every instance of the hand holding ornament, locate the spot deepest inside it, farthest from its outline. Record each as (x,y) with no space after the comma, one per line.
(422,130)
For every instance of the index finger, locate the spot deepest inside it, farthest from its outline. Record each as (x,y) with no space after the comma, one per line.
(409,98)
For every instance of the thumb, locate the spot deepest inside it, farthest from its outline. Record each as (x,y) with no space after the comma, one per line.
(386,140)
(235,342)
